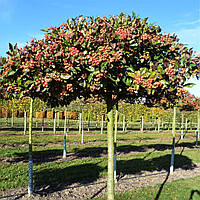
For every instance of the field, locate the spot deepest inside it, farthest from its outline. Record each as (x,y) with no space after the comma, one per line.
(143,161)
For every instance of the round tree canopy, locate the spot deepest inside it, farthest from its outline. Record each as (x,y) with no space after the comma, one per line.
(110,58)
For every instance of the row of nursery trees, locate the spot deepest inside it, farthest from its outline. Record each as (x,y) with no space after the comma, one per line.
(109,59)
(128,113)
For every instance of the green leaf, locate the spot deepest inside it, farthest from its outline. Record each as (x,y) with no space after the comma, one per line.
(91,76)
(19,81)
(164,82)
(27,83)
(11,72)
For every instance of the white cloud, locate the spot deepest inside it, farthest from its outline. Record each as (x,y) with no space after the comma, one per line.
(188,23)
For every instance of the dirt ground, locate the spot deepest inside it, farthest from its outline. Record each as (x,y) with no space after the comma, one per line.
(97,188)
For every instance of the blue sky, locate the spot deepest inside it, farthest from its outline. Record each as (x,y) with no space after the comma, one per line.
(21,20)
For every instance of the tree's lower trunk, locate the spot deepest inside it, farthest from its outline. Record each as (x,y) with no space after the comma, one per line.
(186,125)
(123,127)
(82,131)
(173,142)
(111,150)
(58,119)
(65,135)
(54,123)
(159,124)
(115,144)
(25,122)
(142,124)
(12,119)
(6,117)
(182,124)
(36,123)
(88,121)
(80,117)
(30,170)
(43,121)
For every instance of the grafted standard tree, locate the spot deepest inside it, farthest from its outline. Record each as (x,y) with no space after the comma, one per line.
(111,58)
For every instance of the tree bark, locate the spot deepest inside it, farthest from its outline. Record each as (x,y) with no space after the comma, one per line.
(82,130)
(198,127)
(12,120)
(25,122)
(65,135)
(124,118)
(173,142)
(54,123)
(80,117)
(88,121)
(159,122)
(110,138)
(30,171)
(182,125)
(142,123)
(115,144)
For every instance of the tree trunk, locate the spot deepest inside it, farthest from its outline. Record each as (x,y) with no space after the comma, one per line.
(159,122)
(110,138)
(182,125)
(65,135)
(54,123)
(115,144)
(88,121)
(30,170)
(80,117)
(142,123)
(6,117)
(173,142)
(12,119)
(198,127)
(25,122)
(124,118)
(82,131)
(36,123)
(42,121)
(58,119)
(186,125)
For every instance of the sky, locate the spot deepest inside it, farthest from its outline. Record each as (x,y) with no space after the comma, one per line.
(22,20)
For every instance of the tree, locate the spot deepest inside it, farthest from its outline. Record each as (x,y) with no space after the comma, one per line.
(189,102)
(110,58)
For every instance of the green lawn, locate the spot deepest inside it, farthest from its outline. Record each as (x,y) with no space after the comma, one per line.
(137,153)
(183,189)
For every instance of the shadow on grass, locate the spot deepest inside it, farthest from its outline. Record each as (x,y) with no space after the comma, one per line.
(51,180)
(39,156)
(56,179)
(136,166)
(193,193)
(153,147)
(95,152)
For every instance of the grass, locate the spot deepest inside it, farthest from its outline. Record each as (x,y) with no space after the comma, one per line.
(147,154)
(50,173)
(183,189)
